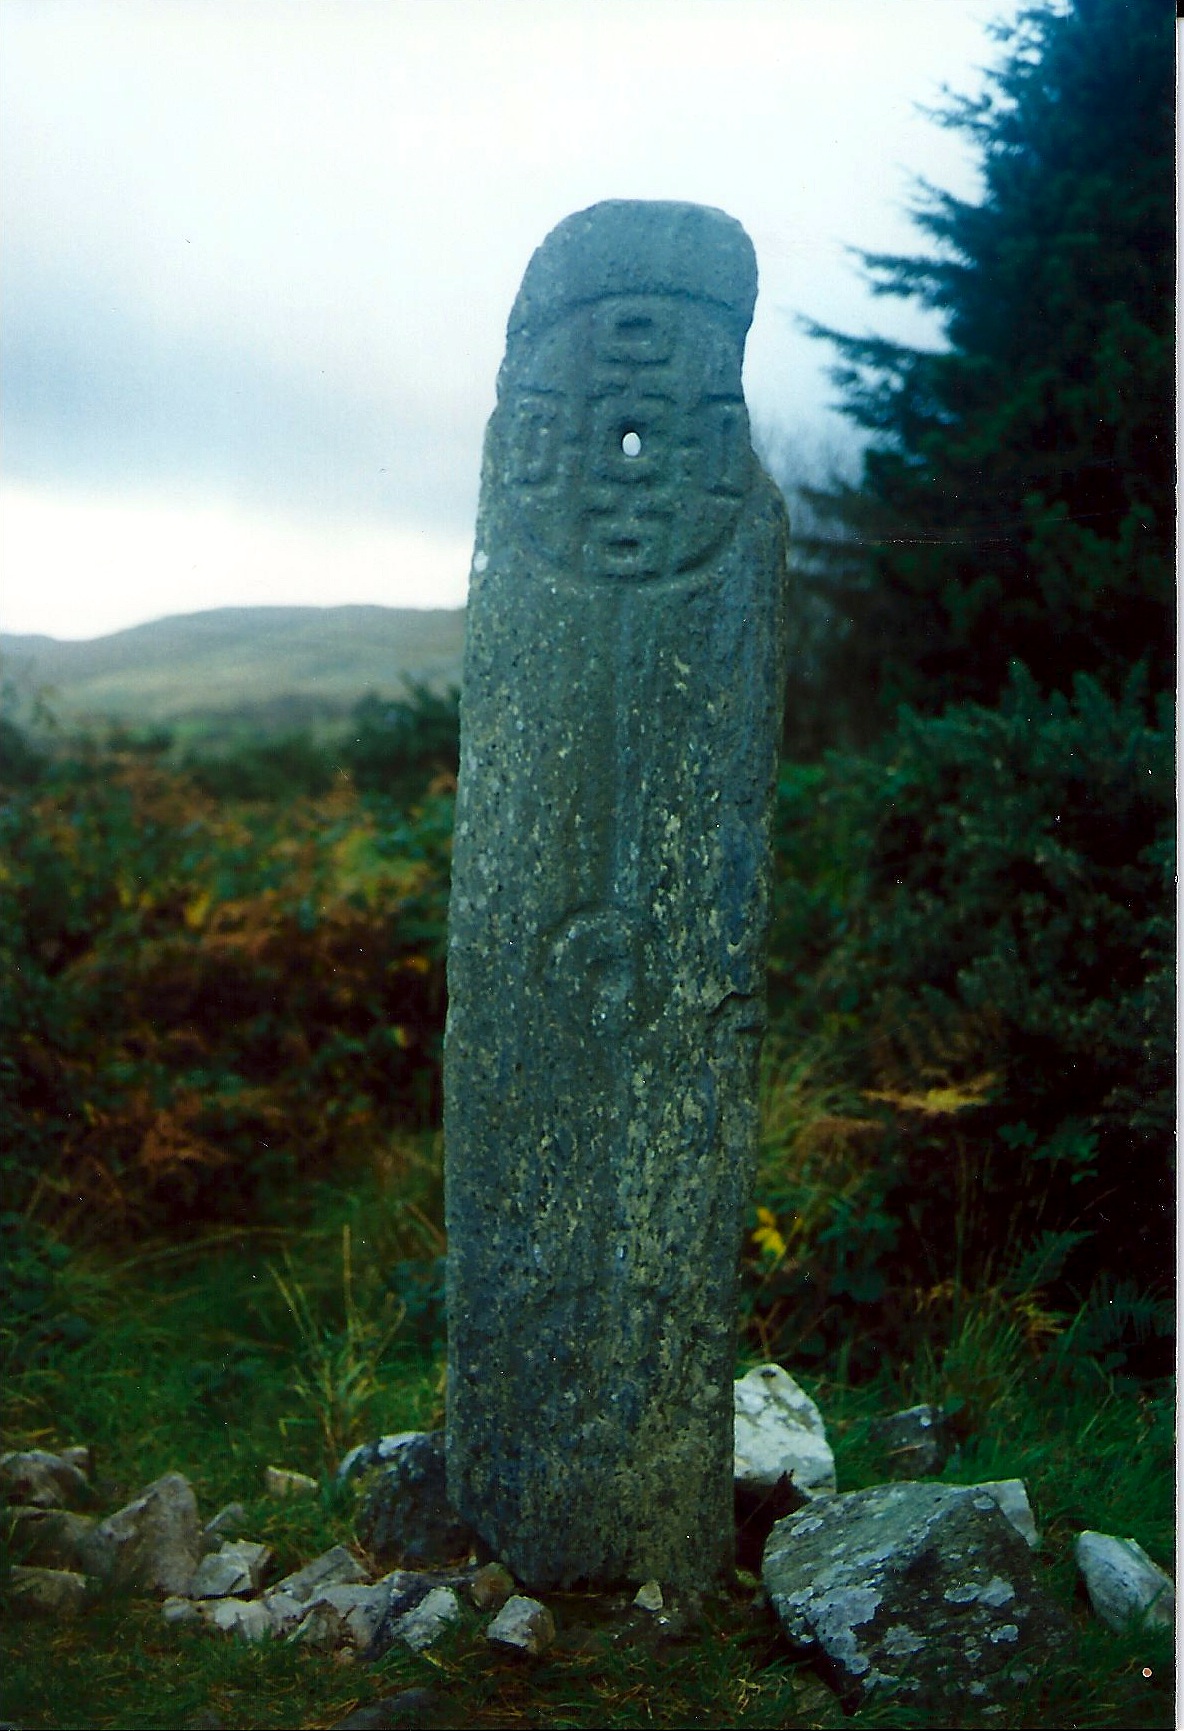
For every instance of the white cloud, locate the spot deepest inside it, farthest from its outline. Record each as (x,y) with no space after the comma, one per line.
(268,248)
(113,562)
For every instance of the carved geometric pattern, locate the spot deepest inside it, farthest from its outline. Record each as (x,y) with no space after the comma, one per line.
(625,439)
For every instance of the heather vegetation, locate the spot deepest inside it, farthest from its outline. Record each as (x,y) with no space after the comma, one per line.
(222,984)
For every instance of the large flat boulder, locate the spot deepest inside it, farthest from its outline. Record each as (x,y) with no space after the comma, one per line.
(922,1591)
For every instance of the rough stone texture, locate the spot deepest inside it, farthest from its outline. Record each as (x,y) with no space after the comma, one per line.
(152,1544)
(491,1586)
(427,1622)
(522,1624)
(224,1525)
(334,1568)
(180,1613)
(408,1589)
(285,1612)
(922,1590)
(284,1482)
(246,1618)
(52,1538)
(42,1480)
(374,1454)
(918,1441)
(362,1608)
(237,1567)
(1123,1583)
(59,1592)
(405,1514)
(779,1431)
(619,725)
(322,1626)
(1012,1497)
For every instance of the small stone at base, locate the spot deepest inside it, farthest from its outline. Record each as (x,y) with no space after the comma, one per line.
(283,1482)
(523,1624)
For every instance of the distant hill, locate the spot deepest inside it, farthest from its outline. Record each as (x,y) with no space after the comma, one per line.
(271,666)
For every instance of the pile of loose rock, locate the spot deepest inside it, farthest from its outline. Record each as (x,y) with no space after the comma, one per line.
(923,1589)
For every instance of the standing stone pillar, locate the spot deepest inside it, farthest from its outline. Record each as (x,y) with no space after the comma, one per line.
(620,722)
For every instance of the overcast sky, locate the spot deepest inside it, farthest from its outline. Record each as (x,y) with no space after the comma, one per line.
(258,257)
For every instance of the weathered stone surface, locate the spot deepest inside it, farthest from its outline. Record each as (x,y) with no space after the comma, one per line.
(52,1538)
(42,1480)
(619,726)
(59,1592)
(1012,1497)
(224,1525)
(378,1453)
(523,1624)
(921,1590)
(284,1482)
(360,1608)
(180,1613)
(152,1544)
(237,1567)
(491,1586)
(334,1568)
(918,1441)
(1123,1584)
(285,1612)
(427,1622)
(405,1514)
(779,1431)
(648,1596)
(322,1626)
(246,1618)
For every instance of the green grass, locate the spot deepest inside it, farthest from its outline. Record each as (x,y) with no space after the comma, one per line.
(193,1361)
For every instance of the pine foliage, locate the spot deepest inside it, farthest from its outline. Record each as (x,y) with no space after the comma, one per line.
(1016,501)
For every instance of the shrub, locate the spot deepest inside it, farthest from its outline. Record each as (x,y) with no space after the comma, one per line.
(200,1003)
(975,923)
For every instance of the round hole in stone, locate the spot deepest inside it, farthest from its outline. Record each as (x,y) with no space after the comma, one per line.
(631,444)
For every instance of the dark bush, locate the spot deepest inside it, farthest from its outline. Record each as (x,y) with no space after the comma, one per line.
(976,923)
(397,747)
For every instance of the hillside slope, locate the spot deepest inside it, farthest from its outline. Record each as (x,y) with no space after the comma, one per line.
(289,663)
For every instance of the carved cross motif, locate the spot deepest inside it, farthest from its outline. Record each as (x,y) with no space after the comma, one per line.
(601,476)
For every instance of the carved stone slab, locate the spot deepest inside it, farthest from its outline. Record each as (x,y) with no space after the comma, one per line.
(619,728)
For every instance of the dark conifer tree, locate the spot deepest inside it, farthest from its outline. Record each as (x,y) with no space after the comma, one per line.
(1016,501)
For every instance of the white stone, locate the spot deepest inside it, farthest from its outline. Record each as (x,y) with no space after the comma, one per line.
(221,1525)
(428,1621)
(285,1612)
(335,1568)
(152,1544)
(648,1597)
(779,1430)
(524,1624)
(1012,1497)
(236,1567)
(322,1627)
(180,1613)
(246,1618)
(282,1482)
(1123,1583)
(361,1608)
